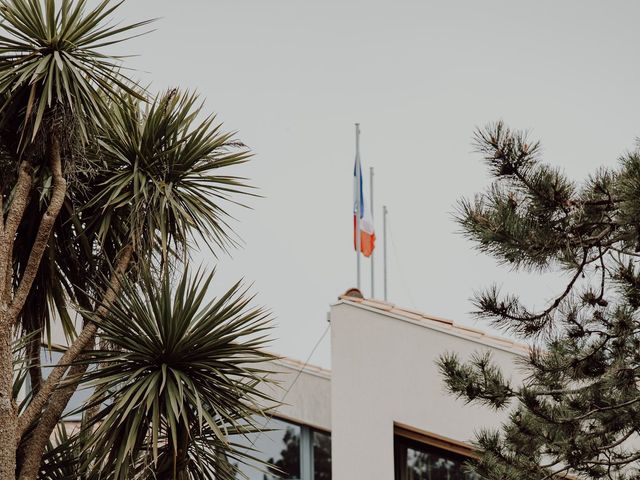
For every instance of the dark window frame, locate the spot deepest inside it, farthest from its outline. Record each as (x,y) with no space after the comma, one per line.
(405,437)
(306,445)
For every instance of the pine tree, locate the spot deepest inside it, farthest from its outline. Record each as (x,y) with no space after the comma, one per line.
(577,413)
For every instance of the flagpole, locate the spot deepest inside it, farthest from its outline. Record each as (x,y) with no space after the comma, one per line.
(384,249)
(373,286)
(358,203)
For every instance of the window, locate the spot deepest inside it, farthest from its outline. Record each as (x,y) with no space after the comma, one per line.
(419,457)
(293,452)
(49,359)
(321,456)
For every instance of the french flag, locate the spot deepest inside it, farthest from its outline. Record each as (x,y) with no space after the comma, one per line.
(367,233)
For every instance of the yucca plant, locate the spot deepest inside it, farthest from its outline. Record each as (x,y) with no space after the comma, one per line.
(103,185)
(53,82)
(179,379)
(163,168)
(65,456)
(51,63)
(155,188)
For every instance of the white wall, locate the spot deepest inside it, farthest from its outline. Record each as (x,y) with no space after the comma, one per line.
(383,371)
(306,393)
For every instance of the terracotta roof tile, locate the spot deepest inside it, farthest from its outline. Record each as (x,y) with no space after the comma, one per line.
(378,304)
(406,313)
(349,298)
(411,310)
(502,341)
(436,321)
(473,331)
(300,365)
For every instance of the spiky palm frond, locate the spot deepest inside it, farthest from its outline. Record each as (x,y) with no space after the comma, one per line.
(53,73)
(159,185)
(68,275)
(177,363)
(64,456)
(20,365)
(164,170)
(206,456)
(52,57)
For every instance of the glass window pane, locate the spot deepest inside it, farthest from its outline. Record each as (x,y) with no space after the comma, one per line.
(50,359)
(279,447)
(416,461)
(321,456)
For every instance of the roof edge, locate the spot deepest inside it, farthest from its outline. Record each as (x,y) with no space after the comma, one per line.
(435,323)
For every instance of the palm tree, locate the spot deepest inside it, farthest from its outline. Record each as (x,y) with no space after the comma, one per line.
(178,379)
(53,82)
(118,187)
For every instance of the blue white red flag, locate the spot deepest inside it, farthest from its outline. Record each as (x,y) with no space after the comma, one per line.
(367,233)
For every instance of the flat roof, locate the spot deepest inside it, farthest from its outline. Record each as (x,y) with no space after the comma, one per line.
(299,365)
(433,322)
(413,316)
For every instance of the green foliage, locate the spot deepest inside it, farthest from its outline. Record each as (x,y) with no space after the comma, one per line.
(578,410)
(148,174)
(161,169)
(179,377)
(50,58)
(65,456)
(288,462)
(479,379)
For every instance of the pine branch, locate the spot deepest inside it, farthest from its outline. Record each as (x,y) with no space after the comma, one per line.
(578,411)
(506,312)
(477,380)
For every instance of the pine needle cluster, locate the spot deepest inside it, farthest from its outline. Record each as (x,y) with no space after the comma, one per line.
(577,414)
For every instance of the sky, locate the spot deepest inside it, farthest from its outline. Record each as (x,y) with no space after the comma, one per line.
(292,78)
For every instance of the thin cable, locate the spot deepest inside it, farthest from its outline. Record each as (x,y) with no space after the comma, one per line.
(306,362)
(402,277)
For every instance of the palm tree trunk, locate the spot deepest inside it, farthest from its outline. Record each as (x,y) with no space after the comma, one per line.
(59,399)
(13,302)
(8,413)
(21,194)
(47,222)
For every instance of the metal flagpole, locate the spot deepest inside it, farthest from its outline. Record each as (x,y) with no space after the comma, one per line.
(384,248)
(358,191)
(373,286)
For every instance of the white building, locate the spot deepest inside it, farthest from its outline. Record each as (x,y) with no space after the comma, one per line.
(382,412)
(382,408)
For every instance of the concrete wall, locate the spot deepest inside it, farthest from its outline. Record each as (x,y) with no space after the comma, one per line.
(305,392)
(383,371)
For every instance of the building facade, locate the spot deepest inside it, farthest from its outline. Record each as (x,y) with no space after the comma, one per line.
(382,412)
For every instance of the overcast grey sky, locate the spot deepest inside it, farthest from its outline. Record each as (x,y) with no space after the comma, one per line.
(293,76)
